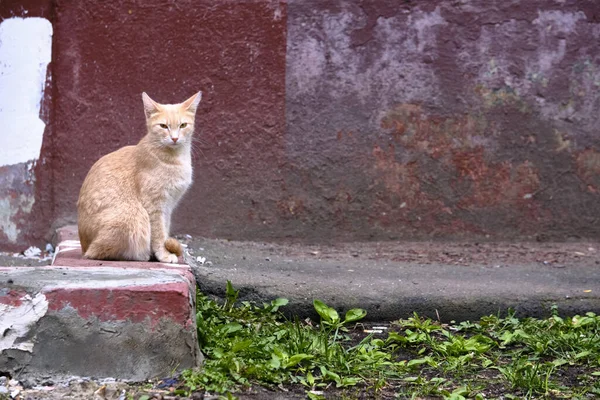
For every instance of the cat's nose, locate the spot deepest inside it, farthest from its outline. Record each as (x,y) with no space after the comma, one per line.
(174,139)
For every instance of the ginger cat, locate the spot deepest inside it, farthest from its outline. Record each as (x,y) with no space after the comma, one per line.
(126,200)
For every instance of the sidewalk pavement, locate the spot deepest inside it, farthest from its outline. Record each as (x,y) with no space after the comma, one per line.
(441,280)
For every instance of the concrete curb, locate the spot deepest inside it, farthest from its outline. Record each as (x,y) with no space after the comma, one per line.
(132,320)
(390,281)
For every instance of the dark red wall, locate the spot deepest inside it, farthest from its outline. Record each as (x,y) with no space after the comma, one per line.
(339,120)
(108,53)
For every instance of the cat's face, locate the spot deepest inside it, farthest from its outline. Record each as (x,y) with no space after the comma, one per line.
(171,125)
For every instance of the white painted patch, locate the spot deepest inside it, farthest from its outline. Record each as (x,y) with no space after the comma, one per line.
(25,51)
(16,321)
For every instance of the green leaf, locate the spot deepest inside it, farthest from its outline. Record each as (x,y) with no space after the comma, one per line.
(314,396)
(396,337)
(331,375)
(144,397)
(310,378)
(327,313)
(582,354)
(230,328)
(355,314)
(275,362)
(418,361)
(559,361)
(279,302)
(298,358)
(244,344)
(229,290)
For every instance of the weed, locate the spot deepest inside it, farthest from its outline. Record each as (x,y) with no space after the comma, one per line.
(247,344)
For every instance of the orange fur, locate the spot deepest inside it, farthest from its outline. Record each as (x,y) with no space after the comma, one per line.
(174,246)
(126,200)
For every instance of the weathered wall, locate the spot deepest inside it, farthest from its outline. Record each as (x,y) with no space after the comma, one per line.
(338,119)
(444,118)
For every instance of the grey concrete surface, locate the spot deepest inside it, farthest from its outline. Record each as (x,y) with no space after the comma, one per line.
(449,281)
(132,323)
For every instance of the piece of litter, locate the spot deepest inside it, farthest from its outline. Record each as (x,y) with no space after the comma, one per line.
(32,252)
(188,236)
(380,327)
(49,248)
(350,270)
(587,291)
(578,253)
(201,259)
(373,331)
(527,196)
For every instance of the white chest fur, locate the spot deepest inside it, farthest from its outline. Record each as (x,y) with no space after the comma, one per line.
(181,179)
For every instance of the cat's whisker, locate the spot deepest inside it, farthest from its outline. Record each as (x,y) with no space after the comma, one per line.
(197,144)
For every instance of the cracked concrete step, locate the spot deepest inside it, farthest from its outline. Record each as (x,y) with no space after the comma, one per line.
(132,320)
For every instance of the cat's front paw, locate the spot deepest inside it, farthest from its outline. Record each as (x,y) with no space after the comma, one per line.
(167,257)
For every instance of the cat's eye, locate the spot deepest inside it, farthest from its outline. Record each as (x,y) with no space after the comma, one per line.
(164,126)
(183,125)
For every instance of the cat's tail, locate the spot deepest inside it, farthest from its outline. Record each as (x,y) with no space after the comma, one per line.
(174,246)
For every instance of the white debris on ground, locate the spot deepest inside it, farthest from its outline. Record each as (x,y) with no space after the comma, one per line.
(92,389)
(10,387)
(33,253)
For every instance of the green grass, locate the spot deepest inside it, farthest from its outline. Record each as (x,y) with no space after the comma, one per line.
(246,344)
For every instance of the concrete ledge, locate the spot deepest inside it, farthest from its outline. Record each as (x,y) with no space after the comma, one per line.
(132,320)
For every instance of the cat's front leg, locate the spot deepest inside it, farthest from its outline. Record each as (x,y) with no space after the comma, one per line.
(159,236)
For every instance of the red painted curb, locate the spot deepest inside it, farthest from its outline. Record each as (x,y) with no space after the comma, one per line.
(142,313)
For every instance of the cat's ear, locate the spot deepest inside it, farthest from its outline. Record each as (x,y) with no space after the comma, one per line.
(150,106)
(191,104)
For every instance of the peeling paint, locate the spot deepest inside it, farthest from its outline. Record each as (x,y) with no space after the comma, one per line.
(16,321)
(25,51)
(10,207)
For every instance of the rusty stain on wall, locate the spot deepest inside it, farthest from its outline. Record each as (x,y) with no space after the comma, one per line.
(588,169)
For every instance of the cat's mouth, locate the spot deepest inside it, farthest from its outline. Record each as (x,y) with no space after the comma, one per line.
(171,143)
